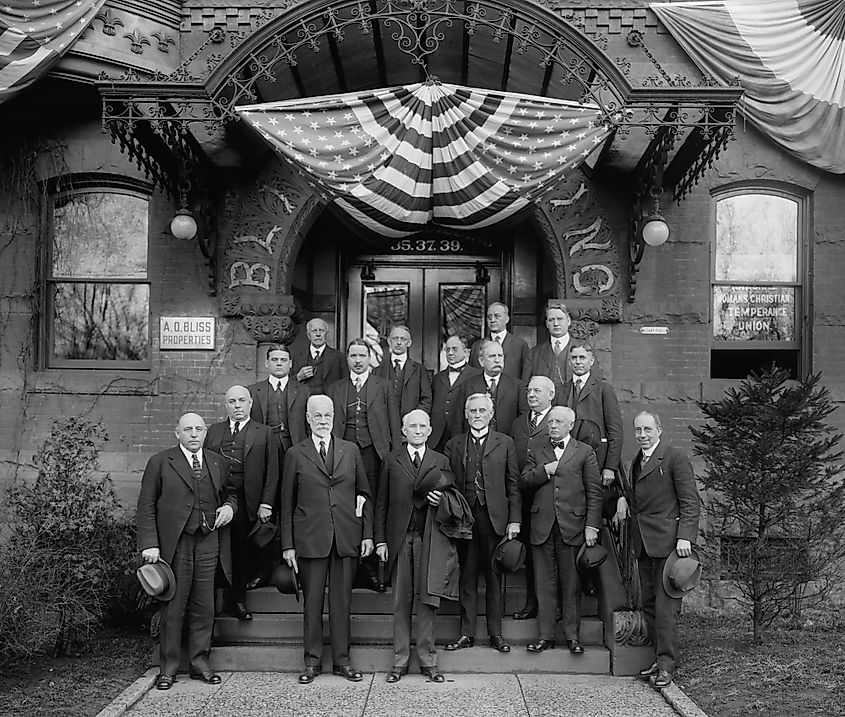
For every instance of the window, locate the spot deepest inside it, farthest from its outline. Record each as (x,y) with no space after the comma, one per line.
(757,283)
(98,292)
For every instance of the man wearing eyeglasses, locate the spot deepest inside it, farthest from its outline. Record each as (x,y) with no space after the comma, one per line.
(327,521)
(252,457)
(184,507)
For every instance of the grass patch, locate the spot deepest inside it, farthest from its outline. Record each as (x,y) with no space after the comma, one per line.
(78,685)
(798,671)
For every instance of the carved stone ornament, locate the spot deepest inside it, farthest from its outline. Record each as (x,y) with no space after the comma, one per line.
(272,321)
(629,628)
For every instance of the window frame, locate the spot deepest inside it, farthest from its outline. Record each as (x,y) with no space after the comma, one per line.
(801,285)
(54,191)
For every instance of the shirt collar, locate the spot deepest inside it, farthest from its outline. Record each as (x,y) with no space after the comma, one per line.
(281,383)
(327,440)
(565,441)
(457,367)
(583,379)
(499,335)
(189,455)
(412,450)
(479,436)
(362,377)
(542,414)
(564,340)
(648,451)
(488,378)
(317,352)
(241,424)
(401,358)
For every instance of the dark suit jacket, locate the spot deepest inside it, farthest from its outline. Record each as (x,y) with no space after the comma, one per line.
(540,361)
(501,476)
(447,410)
(296,395)
(416,385)
(514,348)
(382,411)
(572,496)
(597,405)
(332,368)
(510,402)
(666,506)
(261,463)
(318,507)
(167,497)
(522,433)
(400,490)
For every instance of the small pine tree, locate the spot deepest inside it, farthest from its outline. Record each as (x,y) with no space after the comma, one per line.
(774,491)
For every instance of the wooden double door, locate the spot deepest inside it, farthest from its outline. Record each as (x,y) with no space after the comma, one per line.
(435,296)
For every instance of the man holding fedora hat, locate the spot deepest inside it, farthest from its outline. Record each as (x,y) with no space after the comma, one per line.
(184,505)
(486,473)
(665,518)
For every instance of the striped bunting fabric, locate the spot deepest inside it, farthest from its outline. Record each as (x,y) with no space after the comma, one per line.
(401,158)
(34,34)
(790,58)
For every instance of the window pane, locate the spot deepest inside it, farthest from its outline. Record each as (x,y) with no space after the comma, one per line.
(754,313)
(385,306)
(462,309)
(98,235)
(101,321)
(756,238)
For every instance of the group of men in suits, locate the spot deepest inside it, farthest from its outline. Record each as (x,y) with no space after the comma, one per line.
(384,464)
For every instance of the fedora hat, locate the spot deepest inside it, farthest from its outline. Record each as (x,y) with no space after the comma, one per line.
(509,556)
(681,575)
(285,580)
(591,557)
(262,533)
(157,580)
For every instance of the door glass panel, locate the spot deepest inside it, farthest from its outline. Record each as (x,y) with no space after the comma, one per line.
(461,313)
(385,306)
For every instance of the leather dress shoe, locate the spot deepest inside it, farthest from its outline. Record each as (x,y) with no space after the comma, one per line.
(575,647)
(209,677)
(649,671)
(663,679)
(241,612)
(433,674)
(376,585)
(165,682)
(347,672)
(540,645)
(497,642)
(459,644)
(309,673)
(256,583)
(396,674)
(529,612)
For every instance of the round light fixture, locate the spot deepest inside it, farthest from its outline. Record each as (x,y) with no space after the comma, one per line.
(183,225)
(655,231)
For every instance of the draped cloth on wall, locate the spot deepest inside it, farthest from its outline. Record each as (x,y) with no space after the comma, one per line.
(400,158)
(790,58)
(34,34)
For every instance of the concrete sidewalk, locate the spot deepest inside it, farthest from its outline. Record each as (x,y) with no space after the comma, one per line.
(261,694)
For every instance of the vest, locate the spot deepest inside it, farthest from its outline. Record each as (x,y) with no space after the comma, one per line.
(474,483)
(233,451)
(397,378)
(357,429)
(205,503)
(316,381)
(277,413)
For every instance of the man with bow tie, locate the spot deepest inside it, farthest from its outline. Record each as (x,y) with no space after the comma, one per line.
(566,513)
(665,514)
(506,392)
(412,483)
(326,522)
(251,452)
(485,468)
(447,403)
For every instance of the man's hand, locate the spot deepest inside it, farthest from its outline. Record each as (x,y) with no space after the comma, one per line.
(223,516)
(366,547)
(591,535)
(381,551)
(622,512)
(289,556)
(512,530)
(151,555)
(304,373)
(264,513)
(607,476)
(551,467)
(433,497)
(683,548)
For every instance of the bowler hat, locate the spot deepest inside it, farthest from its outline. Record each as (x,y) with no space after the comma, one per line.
(285,580)
(157,580)
(508,556)
(681,575)
(590,557)
(262,533)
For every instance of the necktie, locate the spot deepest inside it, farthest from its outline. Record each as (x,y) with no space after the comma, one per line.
(323,453)
(196,468)
(458,368)
(416,461)
(535,419)
(358,385)
(557,346)
(579,384)
(236,429)
(278,388)
(397,366)
(492,389)
(499,339)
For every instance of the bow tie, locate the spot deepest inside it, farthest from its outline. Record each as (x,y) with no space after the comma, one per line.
(457,369)
(558,444)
